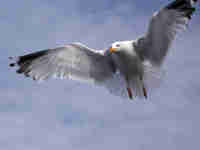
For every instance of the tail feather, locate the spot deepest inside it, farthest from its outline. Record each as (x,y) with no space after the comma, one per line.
(118,86)
(136,85)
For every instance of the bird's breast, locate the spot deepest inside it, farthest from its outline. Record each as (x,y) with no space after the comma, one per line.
(129,65)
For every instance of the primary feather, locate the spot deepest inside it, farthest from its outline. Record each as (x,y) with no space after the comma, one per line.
(73,61)
(163,29)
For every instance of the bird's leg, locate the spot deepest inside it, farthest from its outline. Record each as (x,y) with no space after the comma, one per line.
(144,89)
(145,92)
(129,93)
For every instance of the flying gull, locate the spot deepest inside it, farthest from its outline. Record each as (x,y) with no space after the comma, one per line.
(128,69)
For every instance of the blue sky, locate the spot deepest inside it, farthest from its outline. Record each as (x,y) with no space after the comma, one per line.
(70,115)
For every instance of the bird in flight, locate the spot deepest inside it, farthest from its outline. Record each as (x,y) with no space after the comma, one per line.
(128,69)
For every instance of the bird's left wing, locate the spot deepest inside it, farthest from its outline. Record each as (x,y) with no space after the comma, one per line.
(73,61)
(162,30)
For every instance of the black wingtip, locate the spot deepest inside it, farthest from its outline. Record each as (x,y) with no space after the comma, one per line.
(177,4)
(185,6)
(12,64)
(181,4)
(11,58)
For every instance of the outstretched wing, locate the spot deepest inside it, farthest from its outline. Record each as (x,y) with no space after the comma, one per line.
(73,61)
(162,30)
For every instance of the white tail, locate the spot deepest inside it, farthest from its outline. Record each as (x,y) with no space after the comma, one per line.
(141,89)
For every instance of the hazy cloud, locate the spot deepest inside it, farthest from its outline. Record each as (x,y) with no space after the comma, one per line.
(71,115)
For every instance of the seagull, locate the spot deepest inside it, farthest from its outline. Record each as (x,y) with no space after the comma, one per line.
(129,69)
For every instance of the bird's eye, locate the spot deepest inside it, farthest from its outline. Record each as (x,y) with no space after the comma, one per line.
(117,45)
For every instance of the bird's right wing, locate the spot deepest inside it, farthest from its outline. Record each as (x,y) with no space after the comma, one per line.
(73,61)
(162,30)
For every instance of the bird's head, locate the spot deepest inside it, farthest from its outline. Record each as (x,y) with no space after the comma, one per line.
(120,46)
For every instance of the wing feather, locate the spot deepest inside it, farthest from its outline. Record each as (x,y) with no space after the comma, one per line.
(73,61)
(162,30)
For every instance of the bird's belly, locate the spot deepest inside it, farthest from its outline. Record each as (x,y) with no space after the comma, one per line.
(131,67)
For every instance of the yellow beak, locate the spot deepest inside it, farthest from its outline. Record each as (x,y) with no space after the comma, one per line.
(111,50)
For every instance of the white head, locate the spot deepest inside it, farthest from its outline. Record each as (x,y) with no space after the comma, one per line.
(121,46)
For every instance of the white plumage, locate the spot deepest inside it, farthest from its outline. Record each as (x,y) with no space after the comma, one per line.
(127,68)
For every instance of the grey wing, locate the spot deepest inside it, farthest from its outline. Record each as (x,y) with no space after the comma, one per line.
(163,28)
(73,61)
